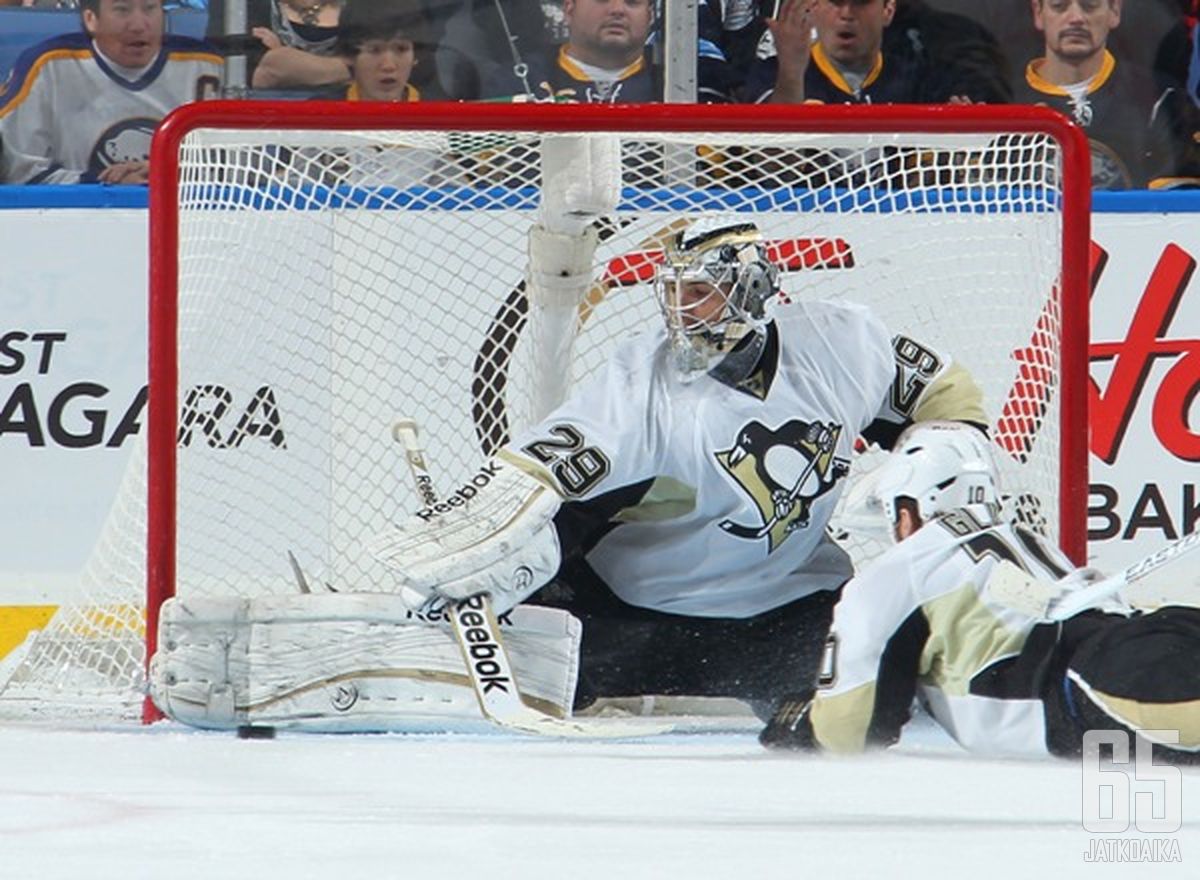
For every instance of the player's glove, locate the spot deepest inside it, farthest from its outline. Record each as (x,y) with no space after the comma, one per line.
(790,727)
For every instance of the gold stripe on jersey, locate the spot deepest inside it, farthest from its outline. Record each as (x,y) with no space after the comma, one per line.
(1033,75)
(572,68)
(83,55)
(952,396)
(666,499)
(826,66)
(963,628)
(411,93)
(840,722)
(1183,716)
(193,55)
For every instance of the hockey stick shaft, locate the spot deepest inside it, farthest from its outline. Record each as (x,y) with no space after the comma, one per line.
(1087,597)
(473,621)
(478,635)
(756,532)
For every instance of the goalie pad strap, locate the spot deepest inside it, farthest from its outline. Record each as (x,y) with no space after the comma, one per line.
(342,662)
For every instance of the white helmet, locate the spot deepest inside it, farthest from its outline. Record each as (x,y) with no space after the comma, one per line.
(730,260)
(941,466)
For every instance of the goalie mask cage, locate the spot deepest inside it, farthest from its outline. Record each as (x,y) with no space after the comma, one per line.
(320,270)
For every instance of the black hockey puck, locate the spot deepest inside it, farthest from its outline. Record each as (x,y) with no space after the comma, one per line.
(251,731)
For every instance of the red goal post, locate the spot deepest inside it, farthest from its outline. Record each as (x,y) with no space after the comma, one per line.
(320,269)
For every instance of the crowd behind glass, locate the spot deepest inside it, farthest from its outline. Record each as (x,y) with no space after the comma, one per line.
(1126,72)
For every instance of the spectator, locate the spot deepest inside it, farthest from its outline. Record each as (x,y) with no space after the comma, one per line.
(1191,24)
(604,60)
(82,107)
(735,29)
(1131,122)
(846,64)
(960,55)
(1177,59)
(1177,64)
(291,44)
(377,40)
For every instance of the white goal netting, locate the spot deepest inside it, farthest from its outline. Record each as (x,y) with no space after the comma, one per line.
(334,276)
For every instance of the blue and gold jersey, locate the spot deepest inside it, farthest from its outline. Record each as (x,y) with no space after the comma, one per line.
(1124,114)
(894,79)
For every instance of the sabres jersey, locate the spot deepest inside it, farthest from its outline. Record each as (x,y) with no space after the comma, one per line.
(918,622)
(709,497)
(1125,116)
(558,77)
(66,114)
(894,79)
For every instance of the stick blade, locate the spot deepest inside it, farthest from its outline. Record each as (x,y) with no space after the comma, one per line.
(537,724)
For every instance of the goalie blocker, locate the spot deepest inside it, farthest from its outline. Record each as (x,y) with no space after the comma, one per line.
(494,535)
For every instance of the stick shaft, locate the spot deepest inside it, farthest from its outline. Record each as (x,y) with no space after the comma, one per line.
(489,668)
(473,621)
(1075,602)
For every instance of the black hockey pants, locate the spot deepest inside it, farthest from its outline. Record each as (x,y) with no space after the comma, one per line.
(1141,672)
(630,651)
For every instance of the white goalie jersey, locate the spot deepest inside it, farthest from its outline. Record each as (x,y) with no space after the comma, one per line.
(710,499)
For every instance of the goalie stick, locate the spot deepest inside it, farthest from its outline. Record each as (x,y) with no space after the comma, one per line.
(1014,587)
(489,668)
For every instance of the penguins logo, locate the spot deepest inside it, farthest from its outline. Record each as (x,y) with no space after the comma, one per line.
(783,472)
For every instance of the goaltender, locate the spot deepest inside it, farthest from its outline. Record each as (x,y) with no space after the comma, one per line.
(662,531)
(677,504)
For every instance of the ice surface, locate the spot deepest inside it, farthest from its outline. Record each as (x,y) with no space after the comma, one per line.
(168,802)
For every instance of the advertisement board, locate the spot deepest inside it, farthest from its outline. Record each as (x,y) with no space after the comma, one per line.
(72,377)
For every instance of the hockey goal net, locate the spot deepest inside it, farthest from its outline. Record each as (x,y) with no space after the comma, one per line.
(320,271)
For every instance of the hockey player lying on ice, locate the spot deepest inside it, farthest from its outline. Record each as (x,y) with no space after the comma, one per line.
(921,620)
(677,504)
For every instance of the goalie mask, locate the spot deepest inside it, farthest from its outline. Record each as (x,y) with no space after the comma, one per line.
(941,466)
(713,287)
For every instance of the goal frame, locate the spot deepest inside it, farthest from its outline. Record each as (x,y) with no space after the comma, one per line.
(163,397)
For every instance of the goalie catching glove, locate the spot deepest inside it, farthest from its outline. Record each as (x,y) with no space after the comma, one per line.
(494,535)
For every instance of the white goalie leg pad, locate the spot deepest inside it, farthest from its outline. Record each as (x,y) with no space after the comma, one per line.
(581,180)
(493,535)
(343,662)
